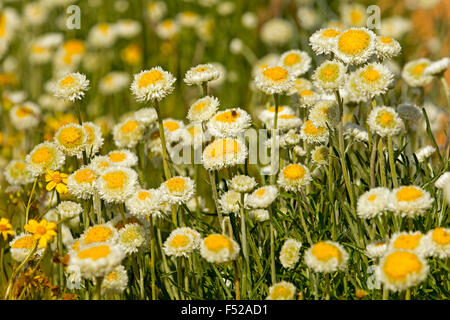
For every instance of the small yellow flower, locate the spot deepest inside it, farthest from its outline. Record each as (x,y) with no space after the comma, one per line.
(6,228)
(43,231)
(56,179)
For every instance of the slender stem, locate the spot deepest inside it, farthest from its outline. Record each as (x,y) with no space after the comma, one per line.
(98,288)
(246,277)
(152,258)
(272,248)
(446,90)
(236,280)
(212,180)
(274,136)
(29,200)
(392,162)
(381,160)
(303,222)
(205,88)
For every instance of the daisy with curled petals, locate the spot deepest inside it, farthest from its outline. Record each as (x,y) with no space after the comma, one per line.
(323,113)
(259,215)
(262,197)
(293,177)
(94,138)
(354,94)
(43,231)
(312,134)
(203,73)
(123,158)
(439,242)
(16,173)
(413,73)
(69,209)
(153,84)
(373,203)
(319,155)
(400,269)
(242,183)
(374,79)
(96,260)
(323,40)
(267,114)
(6,228)
(218,248)
(385,121)
(387,47)
(274,80)
(286,122)
(281,291)
(229,202)
(56,180)
(299,85)
(133,238)
(167,29)
(71,86)
(177,190)
(329,76)
(99,164)
(116,281)
(296,61)
(355,45)
(44,156)
(71,139)
(81,183)
(22,245)
(224,152)
(376,250)
(229,123)
(25,115)
(146,116)
(145,203)
(99,233)
(128,133)
(437,68)
(116,184)
(203,109)
(411,241)
(305,98)
(181,243)
(326,256)
(410,201)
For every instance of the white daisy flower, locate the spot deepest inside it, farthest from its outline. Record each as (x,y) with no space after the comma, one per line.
(268,114)
(153,84)
(437,67)
(113,82)
(71,139)
(25,116)
(410,201)
(229,123)
(259,215)
(102,36)
(330,76)
(376,250)
(319,155)
(385,121)
(411,241)
(374,79)
(71,86)
(326,256)
(181,242)
(229,202)
(274,80)
(399,270)
(262,197)
(99,164)
(116,184)
(224,152)
(116,281)
(99,233)
(44,156)
(373,203)
(413,73)
(324,112)
(144,203)
(443,180)
(305,98)
(203,109)
(132,238)
(387,47)
(177,190)
(324,40)
(439,242)
(242,183)
(355,45)
(201,73)
(312,134)
(123,158)
(281,291)
(296,61)
(167,29)
(293,177)
(94,138)
(16,173)
(128,133)
(146,116)
(276,32)
(21,246)
(218,248)
(424,153)
(69,209)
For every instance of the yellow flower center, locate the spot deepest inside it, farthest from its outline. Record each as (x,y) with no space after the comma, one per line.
(218,242)
(417,70)
(74,47)
(42,155)
(26,242)
(294,172)
(372,197)
(275,73)
(67,81)
(40,230)
(117,157)
(149,78)
(280,292)
(260,192)
(200,106)
(222,147)
(201,69)
(20,166)
(23,111)
(180,241)
(84,176)
(329,72)
(353,41)
(76,245)
(70,136)
(115,180)
(97,234)
(111,276)
(401,263)
(143,195)
(330,33)
(228,116)
(95,253)
(407,241)
(291,59)
(311,129)
(176,184)
(386,39)
(272,109)
(129,126)
(370,75)
(171,125)
(325,251)
(287,116)
(90,134)
(306,93)
(104,28)
(441,236)
(409,194)
(385,119)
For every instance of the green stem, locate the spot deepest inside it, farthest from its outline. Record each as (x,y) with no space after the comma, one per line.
(163,140)
(392,162)
(152,258)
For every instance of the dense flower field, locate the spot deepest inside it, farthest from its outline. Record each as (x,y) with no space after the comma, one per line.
(205,149)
